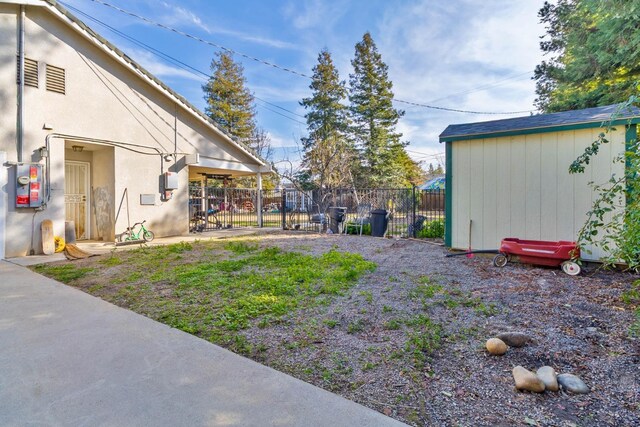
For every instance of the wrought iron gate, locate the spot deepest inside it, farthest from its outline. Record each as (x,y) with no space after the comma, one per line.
(212,208)
(215,208)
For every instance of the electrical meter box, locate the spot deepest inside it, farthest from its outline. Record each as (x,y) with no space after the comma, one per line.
(170,181)
(29,185)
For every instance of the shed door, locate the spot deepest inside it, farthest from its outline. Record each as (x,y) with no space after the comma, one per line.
(76,197)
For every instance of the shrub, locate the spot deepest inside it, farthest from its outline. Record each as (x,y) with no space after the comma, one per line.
(353,228)
(432,229)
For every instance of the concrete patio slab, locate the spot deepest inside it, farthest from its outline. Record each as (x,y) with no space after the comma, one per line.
(71,359)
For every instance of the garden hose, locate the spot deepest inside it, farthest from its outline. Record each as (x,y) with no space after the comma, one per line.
(59,244)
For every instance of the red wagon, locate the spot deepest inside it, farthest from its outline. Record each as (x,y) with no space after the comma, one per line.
(539,252)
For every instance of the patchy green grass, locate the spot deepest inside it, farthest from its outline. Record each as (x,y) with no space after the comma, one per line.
(429,291)
(66,273)
(368,296)
(424,337)
(356,326)
(235,285)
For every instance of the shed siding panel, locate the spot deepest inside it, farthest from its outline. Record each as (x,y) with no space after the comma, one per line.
(520,186)
(489,195)
(548,186)
(476,197)
(461,204)
(533,170)
(582,197)
(503,189)
(565,219)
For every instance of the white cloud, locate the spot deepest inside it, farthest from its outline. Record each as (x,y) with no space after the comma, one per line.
(311,14)
(447,51)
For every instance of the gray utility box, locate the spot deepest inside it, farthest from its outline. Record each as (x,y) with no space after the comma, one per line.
(147,199)
(170,181)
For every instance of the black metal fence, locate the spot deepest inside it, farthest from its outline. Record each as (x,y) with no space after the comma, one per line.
(410,212)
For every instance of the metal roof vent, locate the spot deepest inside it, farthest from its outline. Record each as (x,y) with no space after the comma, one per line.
(55,79)
(30,72)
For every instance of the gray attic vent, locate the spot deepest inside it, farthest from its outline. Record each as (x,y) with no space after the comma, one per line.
(55,79)
(30,72)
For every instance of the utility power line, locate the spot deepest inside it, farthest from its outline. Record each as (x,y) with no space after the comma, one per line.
(455,110)
(483,87)
(198,39)
(196,72)
(289,70)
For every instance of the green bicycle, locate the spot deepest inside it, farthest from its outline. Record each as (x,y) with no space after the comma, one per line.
(141,234)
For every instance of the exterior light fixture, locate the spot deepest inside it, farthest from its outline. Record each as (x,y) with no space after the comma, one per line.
(77,148)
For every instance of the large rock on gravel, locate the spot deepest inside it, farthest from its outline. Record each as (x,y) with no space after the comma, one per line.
(527,380)
(496,346)
(548,377)
(573,384)
(515,339)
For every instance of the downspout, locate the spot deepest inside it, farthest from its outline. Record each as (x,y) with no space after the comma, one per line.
(175,134)
(20,124)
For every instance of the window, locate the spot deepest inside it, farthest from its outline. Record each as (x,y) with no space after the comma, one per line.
(55,79)
(30,72)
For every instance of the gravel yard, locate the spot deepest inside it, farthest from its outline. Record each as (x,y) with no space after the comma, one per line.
(406,338)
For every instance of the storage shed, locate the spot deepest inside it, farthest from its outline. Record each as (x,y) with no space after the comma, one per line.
(510,178)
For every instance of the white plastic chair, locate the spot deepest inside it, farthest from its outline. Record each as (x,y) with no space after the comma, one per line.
(362,215)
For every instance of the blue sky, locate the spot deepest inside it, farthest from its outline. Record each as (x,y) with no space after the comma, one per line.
(464,54)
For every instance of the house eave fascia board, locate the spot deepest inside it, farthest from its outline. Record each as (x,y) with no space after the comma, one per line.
(232,165)
(73,22)
(534,130)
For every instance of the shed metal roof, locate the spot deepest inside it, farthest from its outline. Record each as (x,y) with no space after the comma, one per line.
(594,115)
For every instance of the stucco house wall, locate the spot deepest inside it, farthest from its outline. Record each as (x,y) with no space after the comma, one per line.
(128,125)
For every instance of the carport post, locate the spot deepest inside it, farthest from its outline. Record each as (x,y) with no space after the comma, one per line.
(259,198)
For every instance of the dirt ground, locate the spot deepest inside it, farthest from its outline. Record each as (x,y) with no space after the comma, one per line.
(408,339)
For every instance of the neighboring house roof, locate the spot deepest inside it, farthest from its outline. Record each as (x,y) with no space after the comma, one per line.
(77,24)
(437,183)
(589,117)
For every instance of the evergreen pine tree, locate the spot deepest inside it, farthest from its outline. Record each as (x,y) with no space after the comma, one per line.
(328,154)
(593,49)
(385,162)
(229,103)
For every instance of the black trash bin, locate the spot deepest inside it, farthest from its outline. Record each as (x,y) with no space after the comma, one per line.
(336,214)
(378,222)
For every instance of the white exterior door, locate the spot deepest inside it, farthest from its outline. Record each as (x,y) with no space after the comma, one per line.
(76,197)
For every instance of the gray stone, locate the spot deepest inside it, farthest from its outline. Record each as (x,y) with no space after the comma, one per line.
(515,339)
(527,380)
(548,377)
(573,384)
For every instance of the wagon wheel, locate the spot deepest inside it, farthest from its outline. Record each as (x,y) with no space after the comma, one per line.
(571,268)
(500,260)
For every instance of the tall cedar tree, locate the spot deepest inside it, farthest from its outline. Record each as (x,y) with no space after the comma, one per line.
(385,161)
(328,154)
(229,103)
(594,53)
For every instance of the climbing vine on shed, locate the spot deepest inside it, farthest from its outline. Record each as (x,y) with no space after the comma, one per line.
(613,223)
